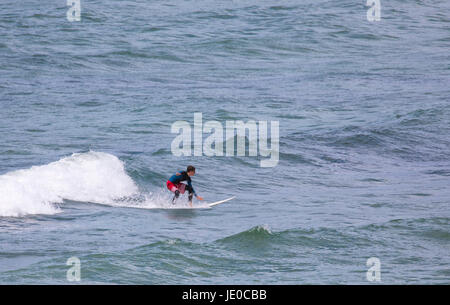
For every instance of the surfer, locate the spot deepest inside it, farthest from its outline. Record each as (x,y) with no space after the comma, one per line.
(174,184)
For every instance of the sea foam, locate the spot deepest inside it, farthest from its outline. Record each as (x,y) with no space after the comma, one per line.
(86,177)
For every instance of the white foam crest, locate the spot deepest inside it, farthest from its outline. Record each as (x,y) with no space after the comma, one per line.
(158,200)
(161,199)
(87,177)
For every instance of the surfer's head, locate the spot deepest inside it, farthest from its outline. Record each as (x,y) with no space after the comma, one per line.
(190,170)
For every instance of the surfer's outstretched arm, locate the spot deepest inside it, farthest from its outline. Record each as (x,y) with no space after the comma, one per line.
(191,190)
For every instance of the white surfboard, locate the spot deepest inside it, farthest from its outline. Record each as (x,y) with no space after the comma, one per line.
(201,206)
(219,202)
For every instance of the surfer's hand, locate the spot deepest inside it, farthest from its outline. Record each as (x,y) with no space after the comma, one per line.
(200,198)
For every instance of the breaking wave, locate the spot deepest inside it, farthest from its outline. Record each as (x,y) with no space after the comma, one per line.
(86,177)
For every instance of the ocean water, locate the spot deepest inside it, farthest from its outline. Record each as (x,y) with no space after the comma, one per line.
(85,141)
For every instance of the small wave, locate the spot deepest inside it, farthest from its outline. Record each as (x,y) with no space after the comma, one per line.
(296,158)
(440,172)
(255,233)
(357,140)
(434,228)
(90,104)
(255,240)
(262,238)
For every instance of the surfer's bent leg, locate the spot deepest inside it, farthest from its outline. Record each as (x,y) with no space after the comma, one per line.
(173,188)
(177,194)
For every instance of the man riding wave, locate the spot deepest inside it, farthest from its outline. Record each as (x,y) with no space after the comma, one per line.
(174,184)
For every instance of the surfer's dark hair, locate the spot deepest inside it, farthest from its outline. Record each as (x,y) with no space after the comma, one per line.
(190,168)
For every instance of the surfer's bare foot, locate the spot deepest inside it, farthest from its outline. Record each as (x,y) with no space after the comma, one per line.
(190,204)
